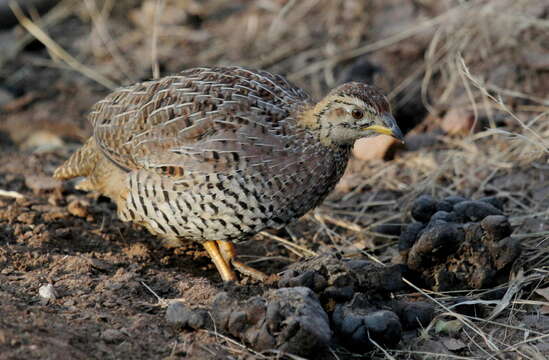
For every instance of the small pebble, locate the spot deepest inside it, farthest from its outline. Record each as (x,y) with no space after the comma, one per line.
(112,336)
(177,313)
(47,292)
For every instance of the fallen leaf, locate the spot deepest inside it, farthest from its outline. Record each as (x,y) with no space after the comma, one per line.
(448,327)
(431,349)
(543,292)
(458,121)
(453,344)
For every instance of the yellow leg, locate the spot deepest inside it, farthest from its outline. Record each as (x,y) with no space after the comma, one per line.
(227,274)
(228,252)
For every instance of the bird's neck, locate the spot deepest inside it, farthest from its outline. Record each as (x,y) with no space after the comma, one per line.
(309,118)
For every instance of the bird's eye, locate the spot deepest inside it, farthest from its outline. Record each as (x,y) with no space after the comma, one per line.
(357,114)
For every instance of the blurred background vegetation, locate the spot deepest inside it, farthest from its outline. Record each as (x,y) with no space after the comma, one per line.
(468,82)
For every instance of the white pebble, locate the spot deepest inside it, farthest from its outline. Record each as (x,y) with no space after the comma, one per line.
(47,292)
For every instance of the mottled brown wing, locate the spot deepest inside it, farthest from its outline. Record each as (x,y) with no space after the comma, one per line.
(206,120)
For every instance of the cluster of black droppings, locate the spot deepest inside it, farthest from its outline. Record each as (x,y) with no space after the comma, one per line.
(321,301)
(287,319)
(356,323)
(458,243)
(337,280)
(356,295)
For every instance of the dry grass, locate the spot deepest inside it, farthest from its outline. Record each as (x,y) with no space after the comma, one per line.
(479,55)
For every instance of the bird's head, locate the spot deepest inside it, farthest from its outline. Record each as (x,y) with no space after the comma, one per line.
(352,111)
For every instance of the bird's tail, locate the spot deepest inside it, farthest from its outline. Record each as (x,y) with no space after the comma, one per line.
(81,163)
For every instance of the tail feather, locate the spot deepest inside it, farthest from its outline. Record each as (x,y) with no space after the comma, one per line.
(81,163)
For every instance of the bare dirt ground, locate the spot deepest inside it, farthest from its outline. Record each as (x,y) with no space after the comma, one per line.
(469,83)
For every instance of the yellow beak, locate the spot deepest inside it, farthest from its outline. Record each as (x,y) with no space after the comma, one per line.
(391,129)
(380,129)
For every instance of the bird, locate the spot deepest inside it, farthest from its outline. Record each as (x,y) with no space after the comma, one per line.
(215,155)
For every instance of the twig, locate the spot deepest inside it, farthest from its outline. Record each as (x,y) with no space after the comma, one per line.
(289,244)
(158,7)
(98,21)
(387,355)
(54,16)
(57,50)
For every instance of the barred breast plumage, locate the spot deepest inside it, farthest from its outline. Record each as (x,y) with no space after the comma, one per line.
(215,155)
